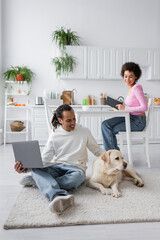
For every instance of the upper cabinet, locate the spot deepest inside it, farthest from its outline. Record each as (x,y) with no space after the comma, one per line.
(105,63)
(114,58)
(153,71)
(140,56)
(94,63)
(80,54)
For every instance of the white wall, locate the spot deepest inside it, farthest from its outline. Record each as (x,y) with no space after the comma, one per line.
(27,26)
(1,85)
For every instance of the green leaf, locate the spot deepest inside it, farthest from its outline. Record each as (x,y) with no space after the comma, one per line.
(11,73)
(64,37)
(64,64)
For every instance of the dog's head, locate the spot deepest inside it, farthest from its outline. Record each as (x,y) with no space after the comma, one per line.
(114,159)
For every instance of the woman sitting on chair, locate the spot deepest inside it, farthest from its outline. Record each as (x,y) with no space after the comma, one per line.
(135,101)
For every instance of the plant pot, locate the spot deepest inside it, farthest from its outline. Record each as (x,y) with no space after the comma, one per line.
(19,77)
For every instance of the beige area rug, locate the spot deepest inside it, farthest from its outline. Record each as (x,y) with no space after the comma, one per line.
(91,207)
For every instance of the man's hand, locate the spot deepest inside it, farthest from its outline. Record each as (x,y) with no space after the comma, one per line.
(18,167)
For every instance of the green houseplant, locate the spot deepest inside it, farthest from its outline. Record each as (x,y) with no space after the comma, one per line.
(64,37)
(18,74)
(64,63)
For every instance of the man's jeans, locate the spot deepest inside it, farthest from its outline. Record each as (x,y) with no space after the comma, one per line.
(57,179)
(112,126)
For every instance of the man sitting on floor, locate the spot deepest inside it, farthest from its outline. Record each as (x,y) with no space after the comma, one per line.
(67,146)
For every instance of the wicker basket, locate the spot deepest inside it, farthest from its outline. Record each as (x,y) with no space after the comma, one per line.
(17,126)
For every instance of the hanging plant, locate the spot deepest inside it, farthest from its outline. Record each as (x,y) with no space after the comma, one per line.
(64,64)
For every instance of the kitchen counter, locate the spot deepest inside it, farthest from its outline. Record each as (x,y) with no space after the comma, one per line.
(40,130)
(80,106)
(77,105)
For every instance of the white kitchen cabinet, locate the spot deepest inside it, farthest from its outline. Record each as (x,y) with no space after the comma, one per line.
(105,63)
(39,125)
(18,112)
(95,128)
(153,71)
(80,55)
(40,130)
(93,123)
(107,69)
(94,62)
(140,56)
(155,125)
(118,58)
(102,63)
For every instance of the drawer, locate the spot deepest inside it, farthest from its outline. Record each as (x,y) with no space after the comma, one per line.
(39,120)
(38,111)
(39,133)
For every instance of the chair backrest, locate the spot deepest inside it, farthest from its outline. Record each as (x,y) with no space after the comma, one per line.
(148,114)
(48,103)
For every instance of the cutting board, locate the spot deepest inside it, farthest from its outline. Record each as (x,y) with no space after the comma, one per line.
(67,97)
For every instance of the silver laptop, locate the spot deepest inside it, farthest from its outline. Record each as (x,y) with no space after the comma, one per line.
(28,153)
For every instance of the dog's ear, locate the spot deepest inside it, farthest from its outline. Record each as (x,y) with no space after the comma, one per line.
(106,156)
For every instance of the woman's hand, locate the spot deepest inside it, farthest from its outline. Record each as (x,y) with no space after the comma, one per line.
(18,167)
(120,106)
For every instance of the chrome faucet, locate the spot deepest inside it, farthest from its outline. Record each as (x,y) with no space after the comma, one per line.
(72,101)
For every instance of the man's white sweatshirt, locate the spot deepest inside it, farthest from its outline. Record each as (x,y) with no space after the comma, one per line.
(71,147)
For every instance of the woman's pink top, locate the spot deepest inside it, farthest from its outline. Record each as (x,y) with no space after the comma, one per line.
(136,100)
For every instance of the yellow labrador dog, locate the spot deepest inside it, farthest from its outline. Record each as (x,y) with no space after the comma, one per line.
(108,170)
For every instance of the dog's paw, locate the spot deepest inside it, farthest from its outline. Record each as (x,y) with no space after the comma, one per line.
(106,191)
(116,194)
(109,192)
(138,182)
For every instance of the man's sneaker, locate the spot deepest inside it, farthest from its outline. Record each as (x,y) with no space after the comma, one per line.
(61,203)
(27,181)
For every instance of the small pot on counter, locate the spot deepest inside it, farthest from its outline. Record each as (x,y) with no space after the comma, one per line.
(39,101)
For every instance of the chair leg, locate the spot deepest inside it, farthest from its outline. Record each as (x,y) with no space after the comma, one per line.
(121,143)
(147,151)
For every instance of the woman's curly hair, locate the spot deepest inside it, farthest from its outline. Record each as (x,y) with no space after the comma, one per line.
(132,67)
(58,113)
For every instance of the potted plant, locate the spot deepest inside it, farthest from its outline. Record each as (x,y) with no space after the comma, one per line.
(19,74)
(64,37)
(64,64)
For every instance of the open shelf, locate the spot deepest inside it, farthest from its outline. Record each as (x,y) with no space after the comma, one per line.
(16,113)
